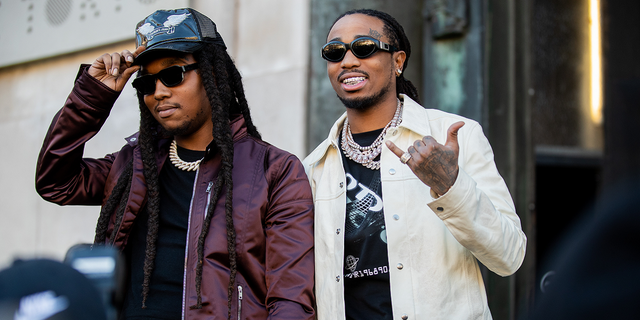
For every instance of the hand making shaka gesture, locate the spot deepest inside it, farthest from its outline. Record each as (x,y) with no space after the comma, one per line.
(436,165)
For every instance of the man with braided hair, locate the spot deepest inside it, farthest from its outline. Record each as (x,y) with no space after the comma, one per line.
(215,222)
(397,234)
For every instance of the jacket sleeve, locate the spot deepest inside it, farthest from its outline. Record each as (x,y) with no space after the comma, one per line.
(63,176)
(289,230)
(478,209)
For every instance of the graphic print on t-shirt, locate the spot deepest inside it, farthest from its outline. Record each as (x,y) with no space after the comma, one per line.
(367,294)
(365,228)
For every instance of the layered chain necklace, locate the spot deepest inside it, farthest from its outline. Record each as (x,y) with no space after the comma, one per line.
(179,163)
(365,155)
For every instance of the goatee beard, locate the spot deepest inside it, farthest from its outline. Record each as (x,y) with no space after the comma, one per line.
(364,102)
(189,126)
(184,129)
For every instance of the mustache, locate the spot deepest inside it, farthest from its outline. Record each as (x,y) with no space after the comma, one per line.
(351,70)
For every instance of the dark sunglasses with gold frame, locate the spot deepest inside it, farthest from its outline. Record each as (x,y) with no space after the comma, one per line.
(361,48)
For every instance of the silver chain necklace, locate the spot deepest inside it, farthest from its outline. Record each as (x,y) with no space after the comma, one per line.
(179,163)
(365,155)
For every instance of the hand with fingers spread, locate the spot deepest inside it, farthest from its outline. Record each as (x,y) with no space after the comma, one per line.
(436,165)
(114,70)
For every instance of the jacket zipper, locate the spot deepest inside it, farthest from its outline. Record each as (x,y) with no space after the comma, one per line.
(239,301)
(186,247)
(206,209)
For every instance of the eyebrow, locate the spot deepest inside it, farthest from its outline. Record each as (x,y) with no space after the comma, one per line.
(355,37)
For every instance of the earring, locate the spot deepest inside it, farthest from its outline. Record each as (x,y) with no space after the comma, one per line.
(398,72)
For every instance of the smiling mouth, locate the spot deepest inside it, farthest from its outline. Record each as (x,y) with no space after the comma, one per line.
(353,81)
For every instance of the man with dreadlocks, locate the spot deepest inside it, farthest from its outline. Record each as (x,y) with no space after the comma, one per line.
(398,233)
(215,222)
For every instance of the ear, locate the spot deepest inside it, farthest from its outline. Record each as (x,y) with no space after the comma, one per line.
(398,58)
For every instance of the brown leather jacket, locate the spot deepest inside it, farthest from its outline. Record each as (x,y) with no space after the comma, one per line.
(273,209)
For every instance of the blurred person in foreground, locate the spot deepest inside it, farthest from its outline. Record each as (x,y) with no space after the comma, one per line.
(595,267)
(43,289)
(215,222)
(397,233)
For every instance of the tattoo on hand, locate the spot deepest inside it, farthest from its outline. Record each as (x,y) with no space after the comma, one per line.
(439,169)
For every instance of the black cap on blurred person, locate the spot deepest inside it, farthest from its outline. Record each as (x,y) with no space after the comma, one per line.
(46,289)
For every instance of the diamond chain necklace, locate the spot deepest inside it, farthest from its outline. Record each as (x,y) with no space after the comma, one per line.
(365,155)
(179,163)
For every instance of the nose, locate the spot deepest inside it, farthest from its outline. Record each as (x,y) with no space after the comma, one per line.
(162,91)
(349,60)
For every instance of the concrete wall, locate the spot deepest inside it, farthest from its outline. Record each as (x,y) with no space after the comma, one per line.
(267,39)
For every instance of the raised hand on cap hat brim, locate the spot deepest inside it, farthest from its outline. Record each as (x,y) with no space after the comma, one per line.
(114,70)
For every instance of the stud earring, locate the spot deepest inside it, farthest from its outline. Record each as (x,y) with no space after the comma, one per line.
(398,72)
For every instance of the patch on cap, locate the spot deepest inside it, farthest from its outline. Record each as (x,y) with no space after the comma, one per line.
(182,30)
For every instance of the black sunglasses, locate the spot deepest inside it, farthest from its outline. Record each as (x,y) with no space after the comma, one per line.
(363,47)
(170,77)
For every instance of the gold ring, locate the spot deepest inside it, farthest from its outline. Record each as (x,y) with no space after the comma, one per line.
(405,158)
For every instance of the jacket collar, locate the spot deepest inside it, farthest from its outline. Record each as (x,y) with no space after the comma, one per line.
(414,118)
(238,128)
(132,140)
(238,131)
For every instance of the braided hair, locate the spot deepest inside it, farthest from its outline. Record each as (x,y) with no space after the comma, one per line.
(223,85)
(397,38)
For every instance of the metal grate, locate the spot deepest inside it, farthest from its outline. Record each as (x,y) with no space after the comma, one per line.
(36,29)
(57,11)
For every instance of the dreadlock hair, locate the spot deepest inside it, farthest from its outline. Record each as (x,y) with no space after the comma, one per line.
(223,85)
(397,38)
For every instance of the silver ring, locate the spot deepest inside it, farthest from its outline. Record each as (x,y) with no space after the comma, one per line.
(405,157)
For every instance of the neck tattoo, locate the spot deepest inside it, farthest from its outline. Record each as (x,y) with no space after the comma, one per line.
(179,163)
(365,155)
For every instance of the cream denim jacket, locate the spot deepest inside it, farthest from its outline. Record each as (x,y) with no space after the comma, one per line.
(433,244)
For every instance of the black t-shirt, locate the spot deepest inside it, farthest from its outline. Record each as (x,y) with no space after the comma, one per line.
(366,272)
(165,288)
